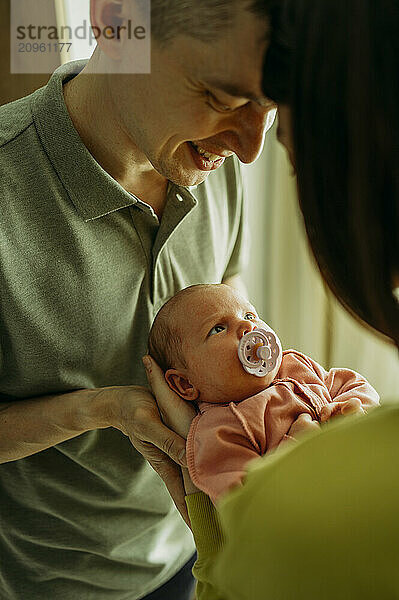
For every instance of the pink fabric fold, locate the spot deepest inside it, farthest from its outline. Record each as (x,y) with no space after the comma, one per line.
(224,437)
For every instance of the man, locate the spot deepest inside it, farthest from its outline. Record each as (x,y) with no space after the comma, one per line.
(117,191)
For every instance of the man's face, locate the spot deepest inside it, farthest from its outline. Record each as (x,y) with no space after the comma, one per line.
(200,97)
(214,322)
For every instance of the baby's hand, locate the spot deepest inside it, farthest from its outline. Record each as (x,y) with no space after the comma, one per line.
(349,407)
(303,424)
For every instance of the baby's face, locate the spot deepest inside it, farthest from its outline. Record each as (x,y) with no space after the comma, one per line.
(211,324)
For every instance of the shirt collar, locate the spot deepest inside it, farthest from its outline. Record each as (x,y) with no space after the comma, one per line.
(91,189)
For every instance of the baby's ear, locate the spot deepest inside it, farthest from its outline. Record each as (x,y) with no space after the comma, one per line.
(181,385)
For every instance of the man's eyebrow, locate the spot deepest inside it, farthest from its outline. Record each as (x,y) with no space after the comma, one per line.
(237,90)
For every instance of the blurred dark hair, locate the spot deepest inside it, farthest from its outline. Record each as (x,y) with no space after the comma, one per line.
(336,63)
(204,20)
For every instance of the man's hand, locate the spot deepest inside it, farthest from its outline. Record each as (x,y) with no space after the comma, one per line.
(176,413)
(135,413)
(349,407)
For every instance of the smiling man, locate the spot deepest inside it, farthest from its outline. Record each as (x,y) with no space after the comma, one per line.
(201,104)
(118,190)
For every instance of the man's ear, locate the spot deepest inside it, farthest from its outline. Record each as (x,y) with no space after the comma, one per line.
(107,20)
(181,385)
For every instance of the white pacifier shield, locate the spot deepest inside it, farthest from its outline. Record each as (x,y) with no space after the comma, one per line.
(259,351)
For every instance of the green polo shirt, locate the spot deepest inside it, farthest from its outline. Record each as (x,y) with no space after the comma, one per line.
(84,267)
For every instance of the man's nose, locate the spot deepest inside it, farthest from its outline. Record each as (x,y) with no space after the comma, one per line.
(244,327)
(247,134)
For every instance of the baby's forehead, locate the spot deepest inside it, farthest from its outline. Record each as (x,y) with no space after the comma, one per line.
(187,305)
(206,302)
(205,297)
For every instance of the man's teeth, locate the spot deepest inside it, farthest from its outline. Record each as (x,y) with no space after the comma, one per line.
(205,154)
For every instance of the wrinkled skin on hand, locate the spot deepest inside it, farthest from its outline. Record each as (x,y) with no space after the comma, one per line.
(177,415)
(136,414)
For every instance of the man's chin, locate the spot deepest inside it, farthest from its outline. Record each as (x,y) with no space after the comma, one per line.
(180,173)
(189,179)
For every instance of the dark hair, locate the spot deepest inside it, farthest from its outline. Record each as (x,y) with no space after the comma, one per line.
(165,344)
(338,66)
(164,340)
(201,19)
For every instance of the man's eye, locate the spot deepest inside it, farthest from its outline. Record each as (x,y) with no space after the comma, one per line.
(214,103)
(216,329)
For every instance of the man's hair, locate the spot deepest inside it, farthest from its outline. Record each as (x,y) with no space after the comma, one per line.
(201,19)
(164,340)
(336,64)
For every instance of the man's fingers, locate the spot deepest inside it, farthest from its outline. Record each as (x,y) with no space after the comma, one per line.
(155,376)
(175,412)
(139,419)
(167,441)
(171,475)
(175,486)
(166,398)
(146,428)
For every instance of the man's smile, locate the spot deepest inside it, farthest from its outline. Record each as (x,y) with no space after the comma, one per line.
(204,160)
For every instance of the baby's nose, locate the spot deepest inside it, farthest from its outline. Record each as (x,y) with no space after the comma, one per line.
(244,327)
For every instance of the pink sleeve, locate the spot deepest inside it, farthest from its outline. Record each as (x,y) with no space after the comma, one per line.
(217,451)
(344,384)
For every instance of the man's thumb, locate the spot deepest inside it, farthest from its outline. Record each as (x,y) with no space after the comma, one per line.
(171,444)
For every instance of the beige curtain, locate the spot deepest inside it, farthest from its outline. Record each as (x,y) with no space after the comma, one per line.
(13,86)
(285,286)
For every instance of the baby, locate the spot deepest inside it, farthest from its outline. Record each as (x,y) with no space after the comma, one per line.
(195,339)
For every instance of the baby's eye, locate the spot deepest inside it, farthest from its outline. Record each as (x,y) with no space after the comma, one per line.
(216,329)
(250,316)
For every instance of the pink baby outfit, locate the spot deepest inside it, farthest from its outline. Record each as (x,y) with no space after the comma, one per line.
(224,437)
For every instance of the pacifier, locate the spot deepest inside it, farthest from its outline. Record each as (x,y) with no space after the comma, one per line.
(259,351)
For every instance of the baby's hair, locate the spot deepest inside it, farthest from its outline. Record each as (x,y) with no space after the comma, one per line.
(164,340)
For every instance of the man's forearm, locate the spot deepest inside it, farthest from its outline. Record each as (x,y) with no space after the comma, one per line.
(32,425)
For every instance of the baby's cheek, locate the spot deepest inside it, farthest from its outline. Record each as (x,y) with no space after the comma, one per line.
(222,366)
(267,380)
(225,369)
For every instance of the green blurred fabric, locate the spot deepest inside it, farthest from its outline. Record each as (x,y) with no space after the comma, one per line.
(318,519)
